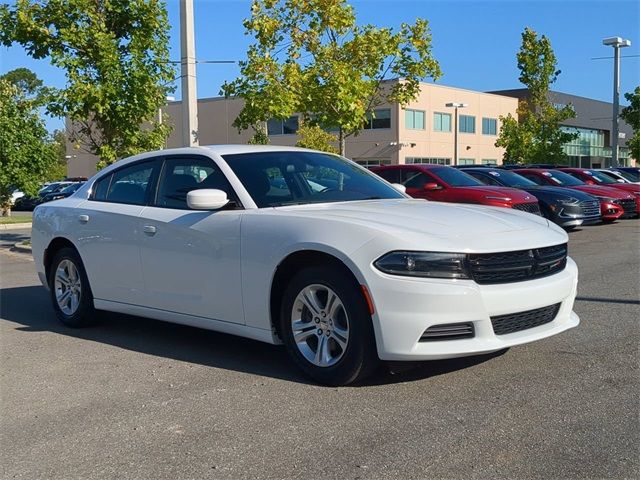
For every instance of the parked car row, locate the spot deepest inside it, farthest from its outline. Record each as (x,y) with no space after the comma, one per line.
(48,192)
(569,197)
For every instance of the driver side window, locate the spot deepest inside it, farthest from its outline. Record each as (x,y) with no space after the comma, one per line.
(184,174)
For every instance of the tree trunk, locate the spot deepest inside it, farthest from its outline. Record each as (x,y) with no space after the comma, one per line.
(6,209)
(342,142)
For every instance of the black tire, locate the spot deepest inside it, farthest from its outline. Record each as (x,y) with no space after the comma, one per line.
(360,357)
(85,313)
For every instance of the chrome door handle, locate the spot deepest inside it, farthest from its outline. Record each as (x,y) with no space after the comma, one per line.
(149,229)
(83,218)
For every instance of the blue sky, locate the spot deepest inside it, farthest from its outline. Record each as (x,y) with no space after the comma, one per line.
(474,41)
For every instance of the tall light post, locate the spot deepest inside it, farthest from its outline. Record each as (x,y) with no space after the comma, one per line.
(455,128)
(617,43)
(188,73)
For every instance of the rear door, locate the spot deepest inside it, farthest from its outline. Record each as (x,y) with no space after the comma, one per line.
(109,232)
(191,258)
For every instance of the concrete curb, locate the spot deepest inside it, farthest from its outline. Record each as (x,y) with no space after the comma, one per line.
(22,248)
(15,226)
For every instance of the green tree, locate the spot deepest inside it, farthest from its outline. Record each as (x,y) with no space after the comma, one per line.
(315,137)
(536,136)
(27,154)
(631,115)
(310,57)
(115,54)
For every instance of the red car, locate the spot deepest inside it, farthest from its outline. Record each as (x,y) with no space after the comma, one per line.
(614,203)
(592,177)
(447,184)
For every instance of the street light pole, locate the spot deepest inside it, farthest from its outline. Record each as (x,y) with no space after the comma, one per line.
(617,43)
(455,105)
(188,73)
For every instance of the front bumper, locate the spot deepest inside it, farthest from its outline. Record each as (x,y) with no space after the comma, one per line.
(406,307)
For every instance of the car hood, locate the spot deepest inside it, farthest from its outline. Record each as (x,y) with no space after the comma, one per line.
(419,219)
(601,191)
(514,194)
(627,187)
(558,192)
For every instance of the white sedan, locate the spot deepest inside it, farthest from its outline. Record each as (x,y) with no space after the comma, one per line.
(241,239)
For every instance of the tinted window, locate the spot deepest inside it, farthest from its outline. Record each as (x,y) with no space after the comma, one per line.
(455,178)
(600,177)
(391,175)
(100,188)
(534,178)
(415,179)
(287,178)
(131,184)
(484,178)
(181,175)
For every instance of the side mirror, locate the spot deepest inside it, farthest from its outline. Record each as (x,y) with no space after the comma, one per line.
(207,199)
(589,182)
(400,188)
(432,186)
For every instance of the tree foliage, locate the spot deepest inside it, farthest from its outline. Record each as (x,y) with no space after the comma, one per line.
(310,57)
(631,115)
(115,55)
(27,154)
(536,136)
(316,138)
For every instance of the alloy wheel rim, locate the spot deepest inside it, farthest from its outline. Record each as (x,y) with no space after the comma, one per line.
(320,325)
(68,287)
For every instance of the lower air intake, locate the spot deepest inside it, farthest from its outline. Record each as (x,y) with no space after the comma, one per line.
(448,331)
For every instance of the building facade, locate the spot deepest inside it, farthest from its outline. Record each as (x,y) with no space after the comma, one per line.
(423,132)
(592,123)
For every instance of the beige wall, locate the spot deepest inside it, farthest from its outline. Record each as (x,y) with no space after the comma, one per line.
(393,145)
(429,143)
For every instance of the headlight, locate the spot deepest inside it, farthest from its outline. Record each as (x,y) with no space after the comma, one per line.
(605,199)
(423,264)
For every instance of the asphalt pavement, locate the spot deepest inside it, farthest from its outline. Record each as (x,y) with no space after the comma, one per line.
(135,398)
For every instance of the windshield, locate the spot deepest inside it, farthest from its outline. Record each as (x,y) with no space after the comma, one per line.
(511,179)
(275,179)
(600,177)
(49,188)
(631,176)
(71,188)
(561,178)
(455,178)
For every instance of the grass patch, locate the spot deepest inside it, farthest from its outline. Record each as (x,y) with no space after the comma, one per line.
(15,219)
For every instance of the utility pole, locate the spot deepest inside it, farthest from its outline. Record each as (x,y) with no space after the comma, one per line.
(188,73)
(456,106)
(616,43)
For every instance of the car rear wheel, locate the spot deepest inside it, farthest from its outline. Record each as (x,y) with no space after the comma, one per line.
(326,326)
(70,291)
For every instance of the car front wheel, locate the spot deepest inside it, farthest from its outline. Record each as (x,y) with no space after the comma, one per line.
(327,327)
(70,290)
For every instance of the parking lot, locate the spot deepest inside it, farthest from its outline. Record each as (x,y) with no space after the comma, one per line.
(136,398)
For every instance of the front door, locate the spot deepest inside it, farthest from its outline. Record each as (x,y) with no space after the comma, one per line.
(191,259)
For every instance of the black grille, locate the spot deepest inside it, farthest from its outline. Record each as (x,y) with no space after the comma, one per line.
(629,205)
(518,266)
(529,207)
(590,208)
(516,322)
(448,331)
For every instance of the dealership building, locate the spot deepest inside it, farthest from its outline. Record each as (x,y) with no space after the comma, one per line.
(422,132)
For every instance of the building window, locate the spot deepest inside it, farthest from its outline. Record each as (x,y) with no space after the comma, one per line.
(414,119)
(441,122)
(489,161)
(466,161)
(489,126)
(430,160)
(381,118)
(276,126)
(467,124)
(372,162)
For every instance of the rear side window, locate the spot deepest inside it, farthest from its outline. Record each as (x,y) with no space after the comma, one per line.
(100,188)
(182,175)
